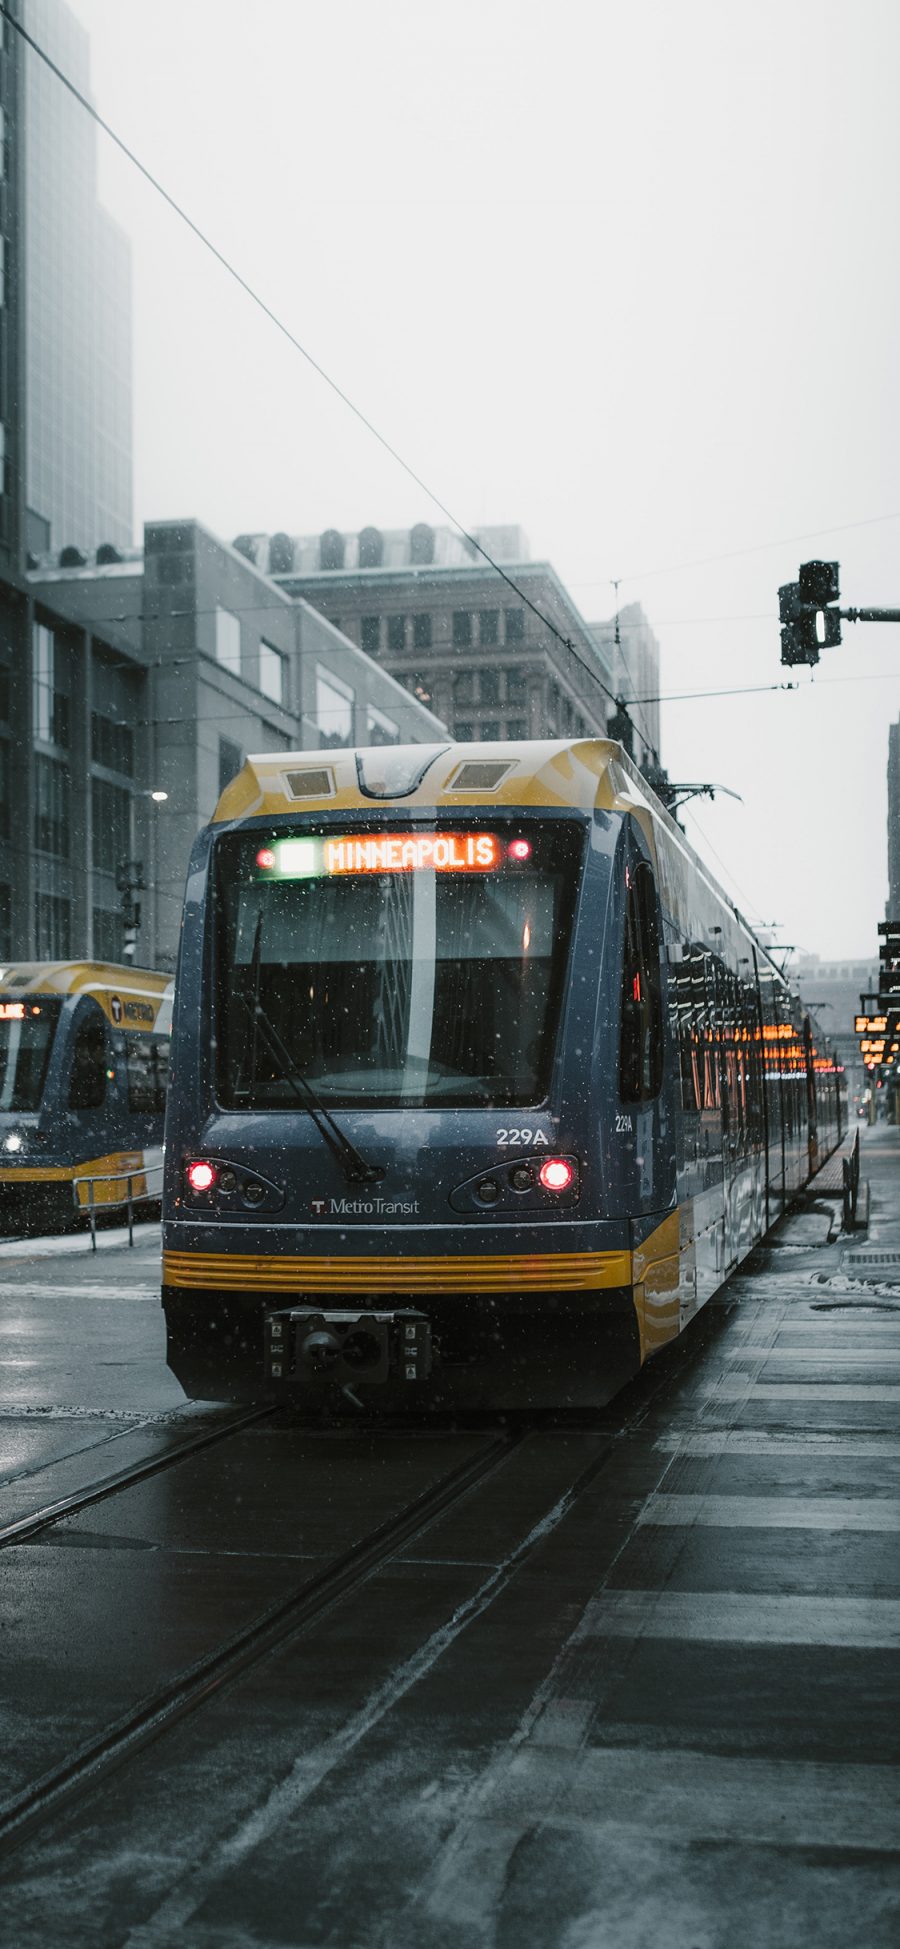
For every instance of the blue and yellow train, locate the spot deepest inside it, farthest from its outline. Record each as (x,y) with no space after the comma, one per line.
(482,1086)
(84,1055)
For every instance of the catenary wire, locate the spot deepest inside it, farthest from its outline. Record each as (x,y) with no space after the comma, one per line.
(753,548)
(297,344)
(468,537)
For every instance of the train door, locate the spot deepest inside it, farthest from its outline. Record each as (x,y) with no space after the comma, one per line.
(646,1116)
(85,1098)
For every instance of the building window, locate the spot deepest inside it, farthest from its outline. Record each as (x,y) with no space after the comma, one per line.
(112,744)
(489,686)
(51,807)
(334,709)
(515,625)
(491,729)
(464,733)
(228,641)
(2,270)
(515,686)
(396,633)
(2,142)
(370,634)
(419,682)
(110,825)
(51,927)
(517,728)
(381,729)
(109,934)
(51,688)
(231,759)
(462,629)
(489,626)
(271,672)
(421,632)
(464,687)
(331,549)
(371,548)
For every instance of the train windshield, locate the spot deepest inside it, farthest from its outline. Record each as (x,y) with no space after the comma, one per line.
(397,969)
(27,1028)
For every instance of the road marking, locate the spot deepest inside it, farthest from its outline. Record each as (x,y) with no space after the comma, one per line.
(695,1796)
(36,1289)
(848,1325)
(727,1617)
(732,1387)
(772,1512)
(745,1441)
(842,1356)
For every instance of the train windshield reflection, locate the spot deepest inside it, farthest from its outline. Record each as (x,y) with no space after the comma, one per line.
(25,1043)
(393,989)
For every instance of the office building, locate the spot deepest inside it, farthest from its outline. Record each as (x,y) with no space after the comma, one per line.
(494,658)
(65,305)
(156,672)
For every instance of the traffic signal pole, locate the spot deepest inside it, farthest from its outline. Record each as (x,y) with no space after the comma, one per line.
(869,615)
(810,617)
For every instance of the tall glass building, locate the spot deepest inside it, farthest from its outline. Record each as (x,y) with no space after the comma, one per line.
(77,306)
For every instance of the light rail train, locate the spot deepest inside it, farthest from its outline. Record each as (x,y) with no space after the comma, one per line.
(482,1086)
(84,1054)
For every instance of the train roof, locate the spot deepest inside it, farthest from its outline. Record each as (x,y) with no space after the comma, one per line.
(101,979)
(584,774)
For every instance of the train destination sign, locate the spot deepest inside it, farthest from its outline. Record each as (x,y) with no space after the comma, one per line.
(389,852)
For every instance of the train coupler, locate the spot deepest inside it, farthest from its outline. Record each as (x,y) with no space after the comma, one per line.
(305,1346)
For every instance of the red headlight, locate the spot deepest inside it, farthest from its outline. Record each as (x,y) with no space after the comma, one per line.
(556,1174)
(200,1176)
(519,849)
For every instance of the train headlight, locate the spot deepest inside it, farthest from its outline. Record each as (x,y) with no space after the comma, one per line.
(13,1141)
(557,1174)
(201,1176)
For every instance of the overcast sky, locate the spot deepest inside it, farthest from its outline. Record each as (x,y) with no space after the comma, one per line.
(624,273)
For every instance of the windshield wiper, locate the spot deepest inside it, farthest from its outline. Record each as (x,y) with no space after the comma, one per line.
(354,1166)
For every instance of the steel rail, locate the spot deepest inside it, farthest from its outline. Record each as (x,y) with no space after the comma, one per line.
(25,1527)
(202,1681)
(165,1709)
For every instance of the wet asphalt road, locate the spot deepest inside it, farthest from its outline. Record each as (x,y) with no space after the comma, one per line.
(638,1687)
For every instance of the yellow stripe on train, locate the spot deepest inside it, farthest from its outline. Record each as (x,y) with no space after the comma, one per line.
(545,1272)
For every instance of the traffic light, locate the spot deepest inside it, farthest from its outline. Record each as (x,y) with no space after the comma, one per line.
(799,638)
(819,583)
(809,624)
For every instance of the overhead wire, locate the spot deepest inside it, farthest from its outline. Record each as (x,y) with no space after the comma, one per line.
(752,548)
(292,339)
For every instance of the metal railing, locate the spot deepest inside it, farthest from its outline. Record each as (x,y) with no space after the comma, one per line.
(850,1192)
(129,1197)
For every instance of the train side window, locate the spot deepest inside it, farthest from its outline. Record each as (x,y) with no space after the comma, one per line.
(148,1072)
(87,1084)
(641,1046)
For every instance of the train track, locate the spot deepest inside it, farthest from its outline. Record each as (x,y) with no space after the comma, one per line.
(161,1711)
(202,1681)
(27,1527)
